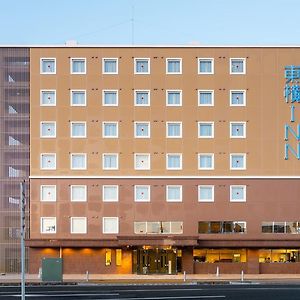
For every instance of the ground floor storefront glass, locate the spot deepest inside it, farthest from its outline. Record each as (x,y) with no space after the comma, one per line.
(151,260)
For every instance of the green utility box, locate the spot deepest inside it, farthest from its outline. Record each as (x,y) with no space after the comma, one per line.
(52,269)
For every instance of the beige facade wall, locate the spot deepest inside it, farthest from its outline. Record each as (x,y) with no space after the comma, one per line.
(265,113)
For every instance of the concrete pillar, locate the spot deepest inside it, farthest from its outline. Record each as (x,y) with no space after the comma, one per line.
(252,261)
(187,260)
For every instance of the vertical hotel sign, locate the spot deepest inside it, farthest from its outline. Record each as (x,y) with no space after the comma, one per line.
(292,97)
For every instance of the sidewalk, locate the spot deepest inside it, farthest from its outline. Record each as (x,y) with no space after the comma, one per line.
(134,279)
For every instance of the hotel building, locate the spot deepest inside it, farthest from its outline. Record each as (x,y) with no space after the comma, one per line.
(160,159)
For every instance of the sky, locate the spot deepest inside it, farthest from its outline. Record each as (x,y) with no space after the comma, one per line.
(147,22)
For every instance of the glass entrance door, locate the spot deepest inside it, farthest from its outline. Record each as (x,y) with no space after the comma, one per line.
(156,261)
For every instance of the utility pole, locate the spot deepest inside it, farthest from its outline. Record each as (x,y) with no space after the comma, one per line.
(22,208)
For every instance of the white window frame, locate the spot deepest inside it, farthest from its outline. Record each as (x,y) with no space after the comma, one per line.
(85,158)
(206,186)
(212,97)
(173,186)
(245,161)
(213,129)
(71,97)
(173,58)
(41,167)
(238,123)
(41,129)
(78,122)
(71,225)
(144,91)
(47,91)
(109,186)
(71,192)
(41,192)
(41,65)
(117,155)
(149,128)
(110,91)
(71,65)
(171,154)
(149,158)
(244,190)
(212,65)
(174,91)
(141,58)
(110,58)
(213,161)
(103,221)
(41,225)
(244,65)
(142,186)
(237,91)
(173,137)
(103,129)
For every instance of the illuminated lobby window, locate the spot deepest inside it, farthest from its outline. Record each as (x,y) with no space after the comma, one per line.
(279,255)
(220,255)
(107,257)
(118,257)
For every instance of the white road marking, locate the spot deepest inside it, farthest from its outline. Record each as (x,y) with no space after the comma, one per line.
(74,295)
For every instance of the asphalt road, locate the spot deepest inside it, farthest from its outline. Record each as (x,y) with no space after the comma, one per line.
(157,292)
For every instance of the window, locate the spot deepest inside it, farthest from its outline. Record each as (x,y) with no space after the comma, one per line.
(78,193)
(174,193)
(238,161)
(141,66)
(110,66)
(48,161)
(174,227)
(237,66)
(78,225)
(142,193)
(223,227)
(237,98)
(78,129)
(110,225)
(78,161)
(110,161)
(48,193)
(238,193)
(48,225)
(206,66)
(118,257)
(205,98)
(206,130)
(141,98)
(174,65)
(110,130)
(206,193)
(174,161)
(142,129)
(174,98)
(48,129)
(110,98)
(237,130)
(78,66)
(110,193)
(292,227)
(174,129)
(48,66)
(48,98)
(78,98)
(142,161)
(205,161)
